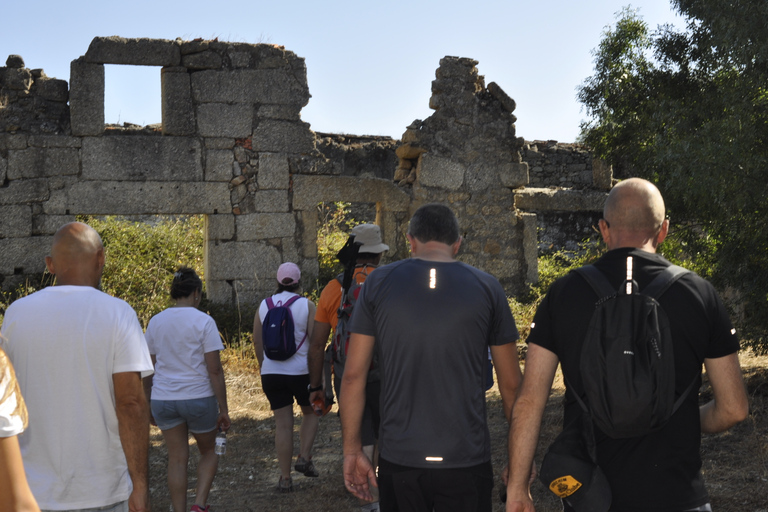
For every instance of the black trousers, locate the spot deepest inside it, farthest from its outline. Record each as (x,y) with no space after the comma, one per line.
(407,489)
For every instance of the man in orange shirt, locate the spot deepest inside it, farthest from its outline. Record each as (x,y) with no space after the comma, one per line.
(326,319)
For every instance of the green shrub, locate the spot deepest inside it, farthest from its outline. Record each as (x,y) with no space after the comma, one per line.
(142,257)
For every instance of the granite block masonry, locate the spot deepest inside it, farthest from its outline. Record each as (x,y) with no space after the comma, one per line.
(232,146)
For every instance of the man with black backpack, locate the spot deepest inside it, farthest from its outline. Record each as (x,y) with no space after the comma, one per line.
(624,448)
(334,309)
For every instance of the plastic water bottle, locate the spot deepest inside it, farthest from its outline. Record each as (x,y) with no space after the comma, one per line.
(221,443)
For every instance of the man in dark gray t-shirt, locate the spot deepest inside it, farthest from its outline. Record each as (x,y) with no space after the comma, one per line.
(431,319)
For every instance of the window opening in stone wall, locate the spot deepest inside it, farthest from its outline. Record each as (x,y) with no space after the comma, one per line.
(335,220)
(142,254)
(132,96)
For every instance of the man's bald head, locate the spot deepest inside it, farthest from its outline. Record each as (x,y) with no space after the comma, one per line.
(77,255)
(634,213)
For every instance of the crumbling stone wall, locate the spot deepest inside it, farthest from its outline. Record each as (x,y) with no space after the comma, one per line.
(232,146)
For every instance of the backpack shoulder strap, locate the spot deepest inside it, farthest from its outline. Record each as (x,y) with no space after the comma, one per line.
(663,281)
(596,280)
(270,303)
(291,301)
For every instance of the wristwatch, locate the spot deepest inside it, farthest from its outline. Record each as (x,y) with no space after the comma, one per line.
(312,390)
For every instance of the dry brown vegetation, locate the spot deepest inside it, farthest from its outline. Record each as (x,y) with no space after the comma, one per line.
(735,462)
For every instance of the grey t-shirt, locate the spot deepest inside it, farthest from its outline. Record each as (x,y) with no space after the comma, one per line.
(433,323)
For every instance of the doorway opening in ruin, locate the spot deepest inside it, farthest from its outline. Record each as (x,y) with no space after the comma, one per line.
(335,220)
(132,95)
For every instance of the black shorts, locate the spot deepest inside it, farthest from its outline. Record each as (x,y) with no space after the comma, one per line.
(280,389)
(407,489)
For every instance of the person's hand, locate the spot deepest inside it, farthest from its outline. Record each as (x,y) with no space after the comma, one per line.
(223,421)
(519,506)
(358,472)
(138,501)
(315,395)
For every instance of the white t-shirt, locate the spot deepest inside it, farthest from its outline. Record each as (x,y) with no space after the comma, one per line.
(297,363)
(65,343)
(10,424)
(179,338)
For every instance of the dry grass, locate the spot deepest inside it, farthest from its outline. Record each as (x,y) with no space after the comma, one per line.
(735,462)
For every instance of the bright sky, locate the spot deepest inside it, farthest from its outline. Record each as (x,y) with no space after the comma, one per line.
(369,64)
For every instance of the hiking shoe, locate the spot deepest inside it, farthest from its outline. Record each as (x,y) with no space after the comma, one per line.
(198,508)
(285,485)
(306,467)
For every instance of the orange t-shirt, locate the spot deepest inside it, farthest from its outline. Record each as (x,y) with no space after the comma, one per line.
(330,298)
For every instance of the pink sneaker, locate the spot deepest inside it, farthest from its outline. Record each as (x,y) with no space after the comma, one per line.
(198,508)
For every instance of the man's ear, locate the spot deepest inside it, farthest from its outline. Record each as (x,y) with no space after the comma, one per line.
(49,265)
(456,246)
(663,231)
(604,231)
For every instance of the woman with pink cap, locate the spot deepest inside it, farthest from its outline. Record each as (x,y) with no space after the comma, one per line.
(282,381)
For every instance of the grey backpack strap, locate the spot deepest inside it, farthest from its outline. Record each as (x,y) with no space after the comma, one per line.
(596,280)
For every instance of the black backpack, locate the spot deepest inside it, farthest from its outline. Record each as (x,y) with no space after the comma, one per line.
(277,330)
(627,359)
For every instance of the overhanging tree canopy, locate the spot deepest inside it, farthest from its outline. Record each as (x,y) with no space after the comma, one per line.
(689,111)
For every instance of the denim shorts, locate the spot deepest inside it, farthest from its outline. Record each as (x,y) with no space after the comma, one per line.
(200,414)
(117,507)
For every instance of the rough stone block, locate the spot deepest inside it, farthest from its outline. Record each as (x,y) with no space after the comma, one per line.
(224,120)
(545,199)
(283,137)
(602,174)
(309,190)
(38,163)
(240,59)
(514,175)
(435,171)
(218,165)
(202,60)
(24,192)
(259,226)
(262,86)
(223,143)
(15,221)
(155,198)
(8,141)
(243,260)
(284,112)
(498,93)
(49,224)
(136,52)
(178,111)
(142,158)
(266,201)
(86,97)
(3,169)
(52,89)
(24,255)
(308,230)
(54,141)
(220,227)
(530,247)
(218,291)
(274,172)
(17,79)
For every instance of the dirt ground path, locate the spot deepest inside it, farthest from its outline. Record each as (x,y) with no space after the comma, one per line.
(735,463)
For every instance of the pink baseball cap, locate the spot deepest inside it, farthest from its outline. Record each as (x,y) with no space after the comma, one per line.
(288,273)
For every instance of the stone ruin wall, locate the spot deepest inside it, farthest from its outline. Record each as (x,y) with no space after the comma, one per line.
(232,146)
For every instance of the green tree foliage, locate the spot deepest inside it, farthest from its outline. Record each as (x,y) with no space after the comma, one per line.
(689,111)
